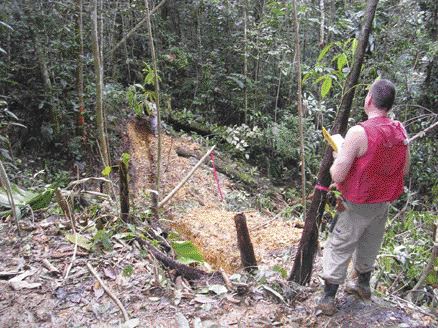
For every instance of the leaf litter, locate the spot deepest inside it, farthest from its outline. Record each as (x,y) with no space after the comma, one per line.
(155,297)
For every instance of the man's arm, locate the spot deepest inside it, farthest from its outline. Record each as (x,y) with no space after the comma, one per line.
(354,146)
(408,155)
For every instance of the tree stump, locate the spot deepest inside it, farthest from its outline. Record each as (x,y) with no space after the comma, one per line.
(124,191)
(247,256)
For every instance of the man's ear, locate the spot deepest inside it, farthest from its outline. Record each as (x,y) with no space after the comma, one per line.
(370,100)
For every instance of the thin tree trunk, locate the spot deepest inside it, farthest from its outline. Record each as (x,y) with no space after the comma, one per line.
(303,264)
(277,96)
(80,69)
(100,32)
(245,58)
(100,117)
(42,61)
(300,103)
(125,48)
(321,30)
(157,91)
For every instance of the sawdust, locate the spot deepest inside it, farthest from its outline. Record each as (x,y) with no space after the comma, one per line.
(213,231)
(197,211)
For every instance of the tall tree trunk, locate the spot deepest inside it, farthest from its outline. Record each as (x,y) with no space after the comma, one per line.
(322,23)
(300,103)
(100,115)
(157,91)
(277,96)
(245,58)
(303,264)
(42,61)
(80,69)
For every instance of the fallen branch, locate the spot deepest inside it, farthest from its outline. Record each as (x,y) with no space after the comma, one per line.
(61,255)
(136,27)
(62,202)
(183,181)
(109,292)
(73,258)
(4,182)
(428,268)
(77,182)
(49,266)
(237,171)
(421,134)
(183,270)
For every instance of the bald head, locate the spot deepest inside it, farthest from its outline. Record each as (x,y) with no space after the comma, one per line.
(383,94)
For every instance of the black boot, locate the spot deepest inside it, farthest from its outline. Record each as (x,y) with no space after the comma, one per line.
(360,287)
(327,303)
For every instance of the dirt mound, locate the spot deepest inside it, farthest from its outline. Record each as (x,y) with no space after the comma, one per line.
(197,211)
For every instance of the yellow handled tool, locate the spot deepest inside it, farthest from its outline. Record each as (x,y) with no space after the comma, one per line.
(329,139)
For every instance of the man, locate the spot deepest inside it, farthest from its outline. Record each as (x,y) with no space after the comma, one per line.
(369,172)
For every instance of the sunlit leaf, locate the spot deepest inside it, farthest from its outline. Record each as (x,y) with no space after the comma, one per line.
(106,171)
(125,158)
(324,52)
(342,61)
(354,46)
(186,252)
(326,86)
(81,240)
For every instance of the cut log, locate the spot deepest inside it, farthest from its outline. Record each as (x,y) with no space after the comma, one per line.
(247,255)
(235,171)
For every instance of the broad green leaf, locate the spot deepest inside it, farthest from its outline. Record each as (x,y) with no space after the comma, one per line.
(82,241)
(186,252)
(150,78)
(282,271)
(21,196)
(342,61)
(106,171)
(307,76)
(324,52)
(326,86)
(125,158)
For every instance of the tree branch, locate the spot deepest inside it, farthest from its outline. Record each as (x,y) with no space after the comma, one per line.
(136,27)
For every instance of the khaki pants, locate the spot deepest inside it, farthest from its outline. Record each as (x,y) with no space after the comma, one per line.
(359,230)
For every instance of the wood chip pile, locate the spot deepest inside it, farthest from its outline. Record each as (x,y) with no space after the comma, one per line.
(196,209)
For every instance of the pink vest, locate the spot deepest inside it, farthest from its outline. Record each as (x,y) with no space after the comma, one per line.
(377,176)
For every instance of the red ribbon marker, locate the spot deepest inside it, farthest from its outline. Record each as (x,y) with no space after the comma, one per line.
(320,187)
(215,175)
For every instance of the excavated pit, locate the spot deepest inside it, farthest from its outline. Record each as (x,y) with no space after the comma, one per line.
(196,209)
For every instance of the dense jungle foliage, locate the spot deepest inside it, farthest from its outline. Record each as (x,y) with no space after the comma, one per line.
(228,68)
